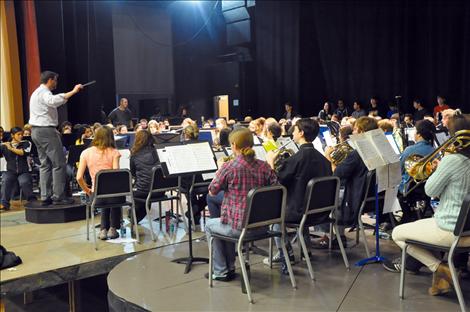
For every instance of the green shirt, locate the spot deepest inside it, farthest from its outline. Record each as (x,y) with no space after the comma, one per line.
(451,183)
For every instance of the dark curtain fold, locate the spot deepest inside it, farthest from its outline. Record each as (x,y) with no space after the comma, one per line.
(277,56)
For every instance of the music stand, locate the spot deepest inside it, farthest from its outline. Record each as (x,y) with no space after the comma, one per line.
(180,160)
(163,138)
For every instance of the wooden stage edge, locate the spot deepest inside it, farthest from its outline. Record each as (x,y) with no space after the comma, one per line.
(55,254)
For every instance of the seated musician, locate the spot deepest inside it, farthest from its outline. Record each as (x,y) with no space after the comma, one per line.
(101,155)
(424,138)
(16,152)
(353,173)
(143,158)
(451,183)
(235,178)
(84,132)
(295,172)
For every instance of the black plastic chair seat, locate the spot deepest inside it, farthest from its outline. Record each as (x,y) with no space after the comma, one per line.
(248,238)
(436,247)
(113,205)
(156,199)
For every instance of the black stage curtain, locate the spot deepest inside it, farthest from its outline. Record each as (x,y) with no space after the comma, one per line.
(310,52)
(76,40)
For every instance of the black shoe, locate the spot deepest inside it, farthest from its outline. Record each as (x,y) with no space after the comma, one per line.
(231,275)
(65,201)
(394,266)
(46,202)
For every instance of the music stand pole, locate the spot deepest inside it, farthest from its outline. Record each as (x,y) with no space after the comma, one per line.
(377,257)
(190,259)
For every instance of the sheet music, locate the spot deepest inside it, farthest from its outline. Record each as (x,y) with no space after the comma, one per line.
(318,145)
(125,160)
(188,158)
(3,164)
(369,154)
(328,138)
(441,137)
(260,152)
(392,142)
(256,140)
(288,144)
(383,146)
(391,203)
(388,176)
(411,132)
(208,176)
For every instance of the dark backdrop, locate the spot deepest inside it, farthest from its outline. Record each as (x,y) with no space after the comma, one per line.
(303,51)
(310,52)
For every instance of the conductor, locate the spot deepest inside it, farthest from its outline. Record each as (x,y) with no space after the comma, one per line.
(44,120)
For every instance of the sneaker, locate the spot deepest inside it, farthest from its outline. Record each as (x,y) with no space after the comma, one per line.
(4,207)
(103,234)
(394,266)
(231,275)
(277,258)
(46,202)
(112,233)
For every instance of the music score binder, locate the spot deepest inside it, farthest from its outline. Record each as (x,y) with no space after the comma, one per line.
(187,159)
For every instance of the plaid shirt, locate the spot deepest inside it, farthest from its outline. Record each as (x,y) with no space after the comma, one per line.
(237,178)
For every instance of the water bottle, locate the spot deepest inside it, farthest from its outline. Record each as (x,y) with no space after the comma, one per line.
(83,198)
(172,226)
(123,229)
(434,204)
(384,235)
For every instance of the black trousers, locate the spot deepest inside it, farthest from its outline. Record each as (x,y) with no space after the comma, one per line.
(111,217)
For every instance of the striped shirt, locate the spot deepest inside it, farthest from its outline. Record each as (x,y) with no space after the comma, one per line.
(451,183)
(237,178)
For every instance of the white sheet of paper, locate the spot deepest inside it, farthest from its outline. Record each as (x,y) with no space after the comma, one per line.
(125,160)
(188,158)
(288,143)
(382,178)
(260,152)
(256,140)
(3,164)
(394,174)
(318,145)
(411,132)
(367,151)
(392,142)
(328,139)
(383,146)
(441,137)
(391,203)
(208,176)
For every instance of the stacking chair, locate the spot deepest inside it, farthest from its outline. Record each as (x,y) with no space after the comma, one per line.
(111,184)
(265,206)
(321,202)
(367,205)
(461,230)
(160,184)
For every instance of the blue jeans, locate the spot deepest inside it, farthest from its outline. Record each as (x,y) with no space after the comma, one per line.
(9,183)
(223,251)
(214,203)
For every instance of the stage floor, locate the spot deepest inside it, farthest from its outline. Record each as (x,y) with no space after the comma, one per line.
(56,253)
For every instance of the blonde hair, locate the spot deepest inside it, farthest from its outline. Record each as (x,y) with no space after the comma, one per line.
(243,140)
(386,125)
(104,138)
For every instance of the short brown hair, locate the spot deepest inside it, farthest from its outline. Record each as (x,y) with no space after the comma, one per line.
(364,124)
(385,125)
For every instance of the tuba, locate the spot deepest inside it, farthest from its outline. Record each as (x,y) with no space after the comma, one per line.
(420,168)
(340,152)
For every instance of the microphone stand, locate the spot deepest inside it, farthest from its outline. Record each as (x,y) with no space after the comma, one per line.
(401,123)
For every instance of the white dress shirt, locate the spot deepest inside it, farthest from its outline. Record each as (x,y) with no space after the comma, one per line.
(43,107)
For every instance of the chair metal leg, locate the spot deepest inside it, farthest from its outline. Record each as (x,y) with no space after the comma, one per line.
(455,277)
(341,246)
(135,223)
(93,226)
(289,265)
(402,272)
(305,251)
(331,236)
(160,216)
(87,207)
(149,219)
(211,240)
(244,272)
(363,234)
(270,253)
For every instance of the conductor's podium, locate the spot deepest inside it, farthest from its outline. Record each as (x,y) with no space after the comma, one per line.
(36,213)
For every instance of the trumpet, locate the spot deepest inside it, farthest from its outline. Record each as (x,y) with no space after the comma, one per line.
(420,168)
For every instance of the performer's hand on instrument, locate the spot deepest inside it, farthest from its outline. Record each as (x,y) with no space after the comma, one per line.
(270,158)
(77,88)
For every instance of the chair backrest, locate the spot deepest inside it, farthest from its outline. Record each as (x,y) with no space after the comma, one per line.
(113,182)
(321,198)
(265,205)
(74,154)
(462,227)
(160,182)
